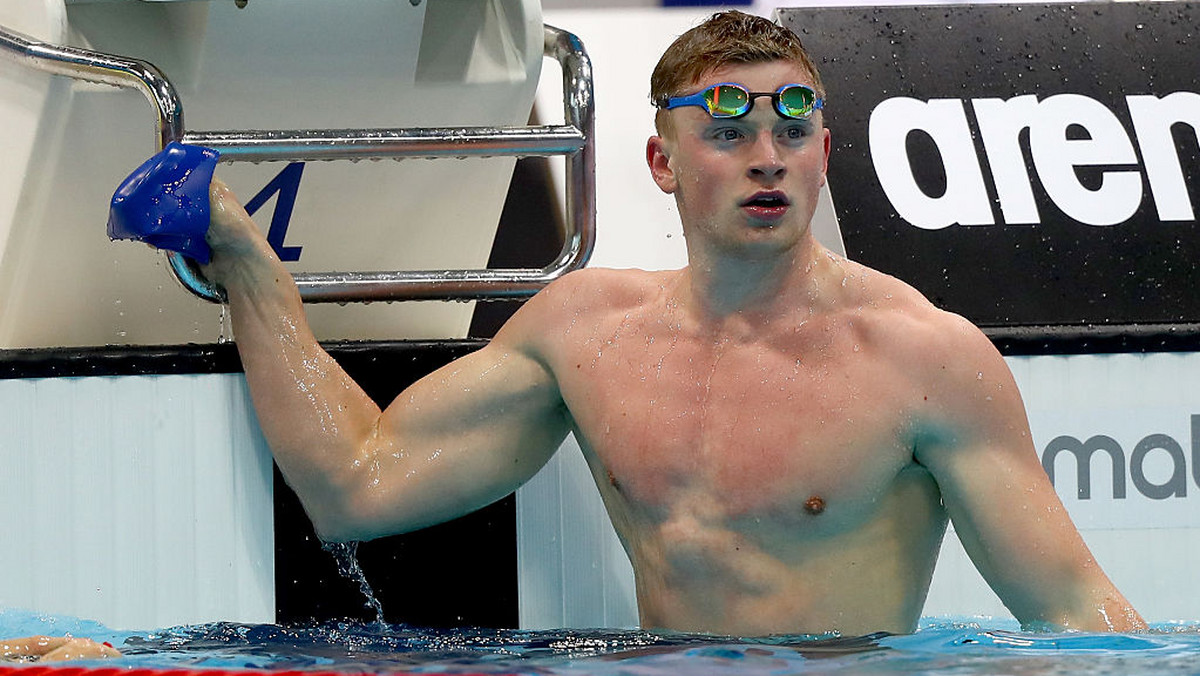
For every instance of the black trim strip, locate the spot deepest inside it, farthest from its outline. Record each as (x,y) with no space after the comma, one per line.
(1094,339)
(70,362)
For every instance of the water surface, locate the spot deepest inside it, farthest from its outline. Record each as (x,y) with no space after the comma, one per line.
(940,646)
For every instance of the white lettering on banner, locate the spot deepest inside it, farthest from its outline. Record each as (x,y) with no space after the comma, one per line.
(1153,118)
(1055,157)
(965,200)
(1000,125)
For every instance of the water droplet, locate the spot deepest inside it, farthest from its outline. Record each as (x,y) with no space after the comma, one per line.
(345,554)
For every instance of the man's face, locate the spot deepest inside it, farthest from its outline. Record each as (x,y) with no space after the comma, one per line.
(745,186)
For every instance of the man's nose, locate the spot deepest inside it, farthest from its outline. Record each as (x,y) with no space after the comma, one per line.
(765,162)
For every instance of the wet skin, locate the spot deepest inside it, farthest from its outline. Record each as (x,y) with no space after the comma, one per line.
(778,433)
(54,649)
(764,477)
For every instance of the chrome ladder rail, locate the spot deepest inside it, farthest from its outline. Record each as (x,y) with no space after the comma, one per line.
(575,140)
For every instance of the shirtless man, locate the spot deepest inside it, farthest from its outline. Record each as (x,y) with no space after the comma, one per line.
(779,434)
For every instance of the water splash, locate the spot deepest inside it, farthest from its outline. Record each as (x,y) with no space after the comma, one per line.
(345,554)
(224,330)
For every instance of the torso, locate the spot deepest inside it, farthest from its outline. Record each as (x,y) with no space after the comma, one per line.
(762,482)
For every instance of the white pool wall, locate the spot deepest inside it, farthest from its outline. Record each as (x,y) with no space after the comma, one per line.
(138,501)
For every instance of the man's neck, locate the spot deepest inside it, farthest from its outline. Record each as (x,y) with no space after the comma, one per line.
(718,287)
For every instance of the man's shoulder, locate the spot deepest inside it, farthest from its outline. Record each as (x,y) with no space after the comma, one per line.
(578,297)
(603,288)
(610,278)
(893,302)
(908,321)
(959,373)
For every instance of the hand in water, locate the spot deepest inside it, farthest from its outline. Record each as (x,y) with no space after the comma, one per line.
(54,649)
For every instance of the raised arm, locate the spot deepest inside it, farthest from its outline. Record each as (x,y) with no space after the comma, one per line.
(460,438)
(1003,506)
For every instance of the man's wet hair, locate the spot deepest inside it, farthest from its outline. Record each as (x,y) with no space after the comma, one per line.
(725,38)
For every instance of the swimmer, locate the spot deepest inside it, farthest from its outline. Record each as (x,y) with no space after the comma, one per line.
(779,434)
(54,649)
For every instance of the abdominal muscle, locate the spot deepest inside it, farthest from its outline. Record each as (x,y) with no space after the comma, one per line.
(854,574)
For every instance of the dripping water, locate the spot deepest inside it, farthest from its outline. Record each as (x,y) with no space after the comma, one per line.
(345,554)
(224,332)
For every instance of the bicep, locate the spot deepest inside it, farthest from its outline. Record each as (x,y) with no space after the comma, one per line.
(469,433)
(461,438)
(497,406)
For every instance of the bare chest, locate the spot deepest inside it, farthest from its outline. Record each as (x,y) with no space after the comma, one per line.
(744,431)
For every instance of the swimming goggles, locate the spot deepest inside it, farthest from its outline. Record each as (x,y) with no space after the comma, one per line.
(730,99)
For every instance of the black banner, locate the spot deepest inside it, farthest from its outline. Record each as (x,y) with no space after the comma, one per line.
(1019,164)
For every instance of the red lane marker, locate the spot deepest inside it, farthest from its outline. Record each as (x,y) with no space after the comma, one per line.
(64,670)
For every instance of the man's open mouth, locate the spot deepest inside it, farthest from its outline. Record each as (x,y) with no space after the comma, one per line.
(767,199)
(768,205)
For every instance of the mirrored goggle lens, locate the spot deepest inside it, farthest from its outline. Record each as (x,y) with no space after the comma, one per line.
(796,101)
(726,100)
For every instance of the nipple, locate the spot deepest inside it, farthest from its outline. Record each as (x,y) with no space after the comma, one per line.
(814,505)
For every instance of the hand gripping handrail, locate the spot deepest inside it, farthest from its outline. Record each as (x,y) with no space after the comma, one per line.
(575,140)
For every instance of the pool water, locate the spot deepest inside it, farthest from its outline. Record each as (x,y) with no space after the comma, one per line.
(940,646)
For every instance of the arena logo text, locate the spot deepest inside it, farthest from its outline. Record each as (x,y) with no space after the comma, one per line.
(1065,132)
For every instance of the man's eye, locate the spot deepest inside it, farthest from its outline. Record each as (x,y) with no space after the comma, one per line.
(794,132)
(728,134)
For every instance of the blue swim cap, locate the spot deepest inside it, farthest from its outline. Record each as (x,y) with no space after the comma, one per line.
(164,202)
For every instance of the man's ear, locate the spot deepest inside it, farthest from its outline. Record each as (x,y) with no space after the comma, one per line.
(658,157)
(825,164)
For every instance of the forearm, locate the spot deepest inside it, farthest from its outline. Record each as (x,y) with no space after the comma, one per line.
(1082,599)
(1110,611)
(458,439)
(317,421)
(315,417)
(1024,544)
(1026,547)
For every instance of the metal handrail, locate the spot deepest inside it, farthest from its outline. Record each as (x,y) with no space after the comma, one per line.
(109,69)
(575,140)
